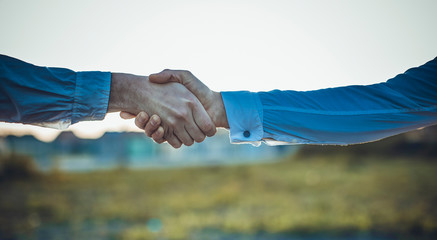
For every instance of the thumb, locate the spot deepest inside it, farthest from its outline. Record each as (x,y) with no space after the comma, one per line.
(126,115)
(192,83)
(186,78)
(164,76)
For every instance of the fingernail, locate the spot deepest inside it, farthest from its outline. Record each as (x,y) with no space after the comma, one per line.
(141,117)
(154,120)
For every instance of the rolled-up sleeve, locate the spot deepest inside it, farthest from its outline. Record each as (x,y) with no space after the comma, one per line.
(340,116)
(91,96)
(52,97)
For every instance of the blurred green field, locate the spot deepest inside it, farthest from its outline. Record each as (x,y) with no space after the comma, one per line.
(335,194)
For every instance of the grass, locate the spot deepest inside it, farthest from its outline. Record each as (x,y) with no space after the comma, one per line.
(299,194)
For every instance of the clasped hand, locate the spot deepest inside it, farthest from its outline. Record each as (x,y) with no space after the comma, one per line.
(183,110)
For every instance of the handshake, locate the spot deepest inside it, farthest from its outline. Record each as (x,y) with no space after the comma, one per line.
(176,107)
(172,106)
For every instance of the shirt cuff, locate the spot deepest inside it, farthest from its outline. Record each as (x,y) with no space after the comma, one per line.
(91,96)
(244,113)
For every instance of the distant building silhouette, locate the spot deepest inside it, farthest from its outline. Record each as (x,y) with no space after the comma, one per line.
(133,150)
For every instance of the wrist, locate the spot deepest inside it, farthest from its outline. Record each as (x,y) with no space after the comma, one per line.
(218,111)
(124,88)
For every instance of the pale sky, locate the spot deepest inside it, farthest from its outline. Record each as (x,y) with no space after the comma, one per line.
(229,45)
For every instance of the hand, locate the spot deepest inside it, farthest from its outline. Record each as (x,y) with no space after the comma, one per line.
(152,129)
(184,120)
(212,102)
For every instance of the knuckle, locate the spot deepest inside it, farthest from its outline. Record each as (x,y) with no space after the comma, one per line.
(172,140)
(149,130)
(209,128)
(158,134)
(158,140)
(177,145)
(179,115)
(157,137)
(191,102)
(186,73)
(182,115)
(189,143)
(199,139)
(148,133)
(167,133)
(150,127)
(172,122)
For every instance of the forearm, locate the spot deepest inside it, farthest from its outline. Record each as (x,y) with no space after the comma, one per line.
(55,97)
(343,115)
(347,118)
(125,90)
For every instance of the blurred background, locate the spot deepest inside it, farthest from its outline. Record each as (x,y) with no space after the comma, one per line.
(106,180)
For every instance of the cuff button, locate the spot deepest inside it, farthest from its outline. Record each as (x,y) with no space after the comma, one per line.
(246,134)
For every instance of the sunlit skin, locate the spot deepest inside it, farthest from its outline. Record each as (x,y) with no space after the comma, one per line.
(211,100)
(184,118)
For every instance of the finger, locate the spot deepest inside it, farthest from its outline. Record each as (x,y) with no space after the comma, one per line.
(183,136)
(203,120)
(158,135)
(195,132)
(126,115)
(164,76)
(173,141)
(186,78)
(141,120)
(192,83)
(152,125)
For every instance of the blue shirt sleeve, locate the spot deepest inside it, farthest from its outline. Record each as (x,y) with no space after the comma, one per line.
(340,116)
(54,97)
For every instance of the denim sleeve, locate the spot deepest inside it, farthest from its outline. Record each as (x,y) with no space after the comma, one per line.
(342,115)
(53,97)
